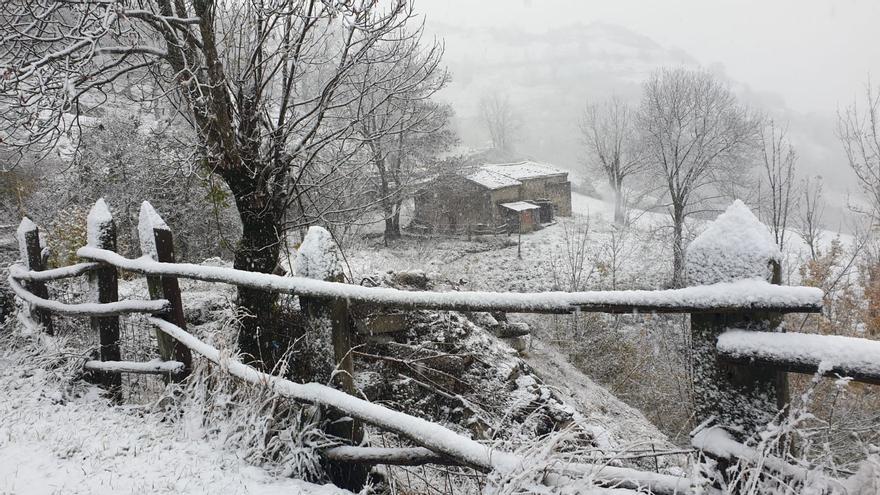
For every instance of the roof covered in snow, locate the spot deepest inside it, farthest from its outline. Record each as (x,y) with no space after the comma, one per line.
(520,206)
(500,175)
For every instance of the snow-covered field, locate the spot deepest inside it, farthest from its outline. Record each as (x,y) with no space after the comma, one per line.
(58,438)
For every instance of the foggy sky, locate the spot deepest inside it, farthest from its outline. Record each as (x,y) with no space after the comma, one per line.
(796,60)
(814,53)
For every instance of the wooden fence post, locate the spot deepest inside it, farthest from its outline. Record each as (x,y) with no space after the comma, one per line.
(319,258)
(104,284)
(742,398)
(157,242)
(31,252)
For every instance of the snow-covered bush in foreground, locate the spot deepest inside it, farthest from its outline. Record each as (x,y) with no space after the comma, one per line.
(266,429)
(789,456)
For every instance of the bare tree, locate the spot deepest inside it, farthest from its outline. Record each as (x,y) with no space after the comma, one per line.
(694,132)
(811,213)
(609,133)
(401,128)
(501,120)
(858,129)
(570,265)
(778,157)
(261,83)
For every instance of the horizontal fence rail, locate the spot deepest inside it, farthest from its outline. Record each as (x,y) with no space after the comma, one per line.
(719,443)
(156,366)
(87,309)
(830,355)
(20,273)
(732,296)
(718,310)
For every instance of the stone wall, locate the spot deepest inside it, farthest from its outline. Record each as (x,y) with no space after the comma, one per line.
(556,189)
(455,203)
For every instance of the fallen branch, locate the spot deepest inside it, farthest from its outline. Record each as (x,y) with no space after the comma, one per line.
(431,436)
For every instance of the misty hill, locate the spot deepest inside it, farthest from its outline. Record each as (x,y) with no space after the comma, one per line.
(549,76)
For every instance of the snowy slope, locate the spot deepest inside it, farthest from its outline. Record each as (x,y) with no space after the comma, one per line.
(54,439)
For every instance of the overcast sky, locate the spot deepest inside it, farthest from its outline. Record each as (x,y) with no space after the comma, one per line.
(816,54)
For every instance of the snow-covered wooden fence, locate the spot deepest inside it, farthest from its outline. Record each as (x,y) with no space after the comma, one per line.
(740,355)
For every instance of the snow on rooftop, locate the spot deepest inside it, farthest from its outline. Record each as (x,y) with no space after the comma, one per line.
(492,180)
(500,175)
(734,246)
(520,206)
(524,170)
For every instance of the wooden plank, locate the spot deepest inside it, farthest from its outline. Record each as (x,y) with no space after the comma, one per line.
(88,309)
(537,302)
(411,456)
(156,367)
(32,255)
(53,274)
(170,290)
(851,357)
(157,243)
(105,289)
(792,366)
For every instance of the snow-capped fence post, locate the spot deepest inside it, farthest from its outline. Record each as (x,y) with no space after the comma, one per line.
(31,252)
(736,246)
(318,257)
(157,243)
(104,288)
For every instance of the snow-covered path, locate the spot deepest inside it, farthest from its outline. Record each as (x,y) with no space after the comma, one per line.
(53,442)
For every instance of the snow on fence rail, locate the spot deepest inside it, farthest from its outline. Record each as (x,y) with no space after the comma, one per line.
(85,309)
(728,296)
(733,296)
(831,355)
(155,366)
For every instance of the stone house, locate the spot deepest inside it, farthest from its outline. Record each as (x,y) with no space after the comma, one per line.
(493,195)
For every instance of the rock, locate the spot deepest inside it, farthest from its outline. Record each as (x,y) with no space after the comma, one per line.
(519,344)
(509,330)
(413,278)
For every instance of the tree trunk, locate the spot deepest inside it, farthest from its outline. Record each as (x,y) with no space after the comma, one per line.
(392,219)
(396,217)
(677,247)
(260,338)
(619,204)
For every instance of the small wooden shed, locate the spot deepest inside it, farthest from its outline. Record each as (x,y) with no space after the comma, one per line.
(522,216)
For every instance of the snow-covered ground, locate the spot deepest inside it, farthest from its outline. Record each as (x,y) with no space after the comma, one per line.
(58,438)
(61,439)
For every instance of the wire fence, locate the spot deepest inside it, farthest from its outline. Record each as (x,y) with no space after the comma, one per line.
(137,339)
